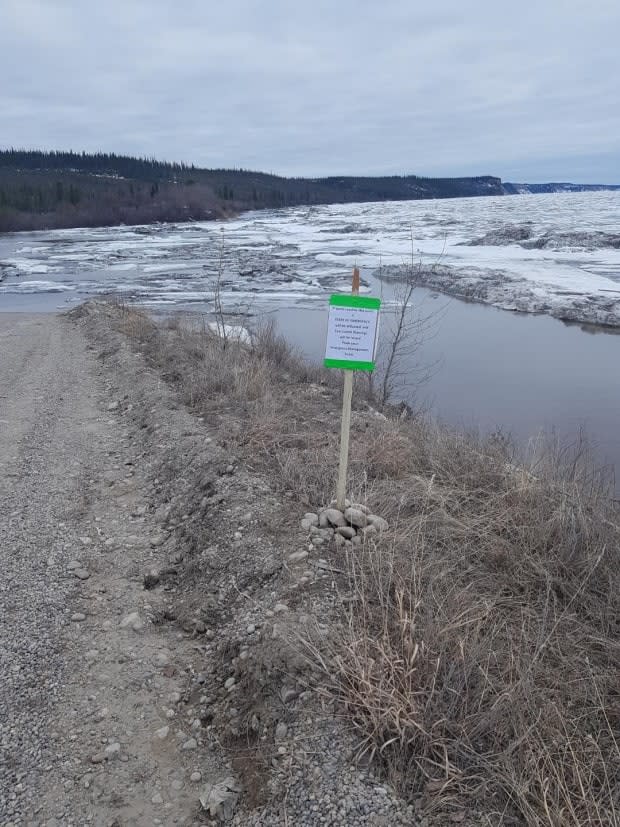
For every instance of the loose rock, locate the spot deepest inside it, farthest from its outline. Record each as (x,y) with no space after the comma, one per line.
(378,522)
(82,574)
(157,540)
(335,517)
(132,621)
(162,658)
(356,517)
(360,507)
(297,556)
(309,520)
(98,758)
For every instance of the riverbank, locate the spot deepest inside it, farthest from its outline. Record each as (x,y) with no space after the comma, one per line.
(448,650)
(494,369)
(509,292)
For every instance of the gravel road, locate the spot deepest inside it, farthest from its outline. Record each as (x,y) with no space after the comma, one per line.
(83,689)
(48,445)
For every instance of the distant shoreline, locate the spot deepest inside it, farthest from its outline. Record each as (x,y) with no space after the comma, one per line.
(56,190)
(72,190)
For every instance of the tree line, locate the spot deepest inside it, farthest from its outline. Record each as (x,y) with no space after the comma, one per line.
(40,190)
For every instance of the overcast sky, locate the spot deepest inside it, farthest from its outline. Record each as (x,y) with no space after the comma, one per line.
(529,91)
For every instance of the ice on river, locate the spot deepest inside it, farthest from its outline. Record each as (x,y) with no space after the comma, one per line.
(554,253)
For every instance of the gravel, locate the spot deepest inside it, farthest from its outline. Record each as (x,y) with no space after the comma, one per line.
(47,460)
(330,792)
(84,673)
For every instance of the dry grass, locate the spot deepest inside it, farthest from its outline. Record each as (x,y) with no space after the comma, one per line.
(479,659)
(265,399)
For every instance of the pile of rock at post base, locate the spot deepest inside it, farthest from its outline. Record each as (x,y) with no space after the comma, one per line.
(353,526)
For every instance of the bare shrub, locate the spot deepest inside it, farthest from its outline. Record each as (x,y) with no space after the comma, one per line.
(409,324)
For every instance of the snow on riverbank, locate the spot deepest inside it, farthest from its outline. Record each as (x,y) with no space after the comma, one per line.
(557,254)
(562,298)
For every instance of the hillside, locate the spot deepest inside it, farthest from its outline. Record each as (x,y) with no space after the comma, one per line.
(41,190)
(511,188)
(48,190)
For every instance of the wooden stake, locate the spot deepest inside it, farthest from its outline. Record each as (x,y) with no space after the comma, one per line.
(345,427)
(341,490)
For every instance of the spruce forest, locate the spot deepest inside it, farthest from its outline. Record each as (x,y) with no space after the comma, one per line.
(47,190)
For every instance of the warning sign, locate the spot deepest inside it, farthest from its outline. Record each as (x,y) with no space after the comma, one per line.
(352,332)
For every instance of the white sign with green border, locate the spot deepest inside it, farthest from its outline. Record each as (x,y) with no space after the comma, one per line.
(352,332)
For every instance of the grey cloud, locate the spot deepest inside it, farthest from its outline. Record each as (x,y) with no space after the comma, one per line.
(528,92)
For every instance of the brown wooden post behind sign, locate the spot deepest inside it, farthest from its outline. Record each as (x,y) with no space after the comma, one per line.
(345,428)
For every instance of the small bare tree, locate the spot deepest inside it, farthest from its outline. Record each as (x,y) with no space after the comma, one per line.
(408,328)
(224,318)
(218,308)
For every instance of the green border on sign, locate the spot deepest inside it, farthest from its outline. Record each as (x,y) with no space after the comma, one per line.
(351,300)
(340,300)
(345,364)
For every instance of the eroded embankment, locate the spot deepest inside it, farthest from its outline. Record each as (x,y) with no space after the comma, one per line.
(469,652)
(508,291)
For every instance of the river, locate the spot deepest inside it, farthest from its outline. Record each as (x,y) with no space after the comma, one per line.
(489,368)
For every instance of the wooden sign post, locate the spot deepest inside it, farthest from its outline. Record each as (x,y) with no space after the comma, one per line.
(351,344)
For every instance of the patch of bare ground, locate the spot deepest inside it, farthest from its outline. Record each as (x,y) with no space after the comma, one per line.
(461,667)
